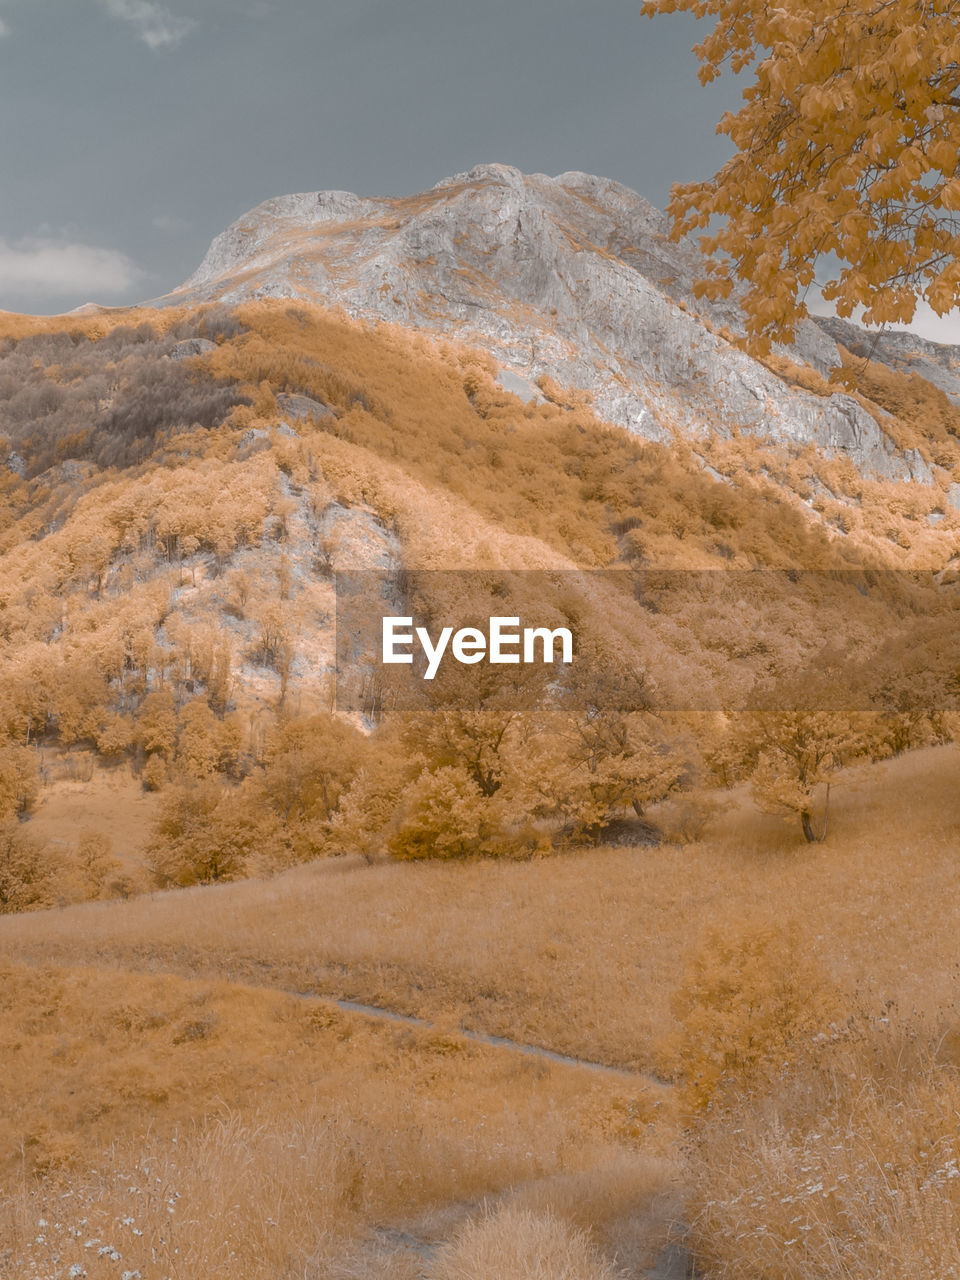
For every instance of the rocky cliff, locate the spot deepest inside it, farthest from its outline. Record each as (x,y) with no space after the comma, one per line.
(938,362)
(573,277)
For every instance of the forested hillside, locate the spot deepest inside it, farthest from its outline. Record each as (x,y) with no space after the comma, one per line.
(763,629)
(180,489)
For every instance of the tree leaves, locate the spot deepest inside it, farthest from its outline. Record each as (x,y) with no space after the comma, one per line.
(847,145)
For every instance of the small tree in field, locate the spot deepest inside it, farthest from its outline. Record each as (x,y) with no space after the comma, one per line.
(615,752)
(444,815)
(750,1002)
(796,753)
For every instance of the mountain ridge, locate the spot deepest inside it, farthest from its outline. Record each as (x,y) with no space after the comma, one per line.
(573,278)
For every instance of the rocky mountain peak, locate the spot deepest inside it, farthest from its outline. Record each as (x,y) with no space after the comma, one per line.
(574,277)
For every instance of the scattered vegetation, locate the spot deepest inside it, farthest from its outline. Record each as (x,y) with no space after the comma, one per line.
(167,551)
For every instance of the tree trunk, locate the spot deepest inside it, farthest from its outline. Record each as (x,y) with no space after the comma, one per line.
(806,821)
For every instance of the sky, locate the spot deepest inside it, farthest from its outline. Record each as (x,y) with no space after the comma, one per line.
(137,130)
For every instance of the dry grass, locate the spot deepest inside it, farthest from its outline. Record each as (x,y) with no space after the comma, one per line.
(582,952)
(214,1130)
(83,795)
(246,1107)
(514,1242)
(847,1169)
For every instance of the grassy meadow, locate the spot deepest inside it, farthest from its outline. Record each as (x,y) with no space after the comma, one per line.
(155,1044)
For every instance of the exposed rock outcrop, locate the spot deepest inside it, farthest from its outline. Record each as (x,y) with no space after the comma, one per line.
(295,406)
(192,347)
(938,362)
(574,277)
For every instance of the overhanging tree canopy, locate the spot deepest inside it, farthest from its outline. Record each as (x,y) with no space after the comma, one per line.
(847,144)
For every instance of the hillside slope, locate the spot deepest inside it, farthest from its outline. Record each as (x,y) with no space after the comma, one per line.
(181,488)
(573,277)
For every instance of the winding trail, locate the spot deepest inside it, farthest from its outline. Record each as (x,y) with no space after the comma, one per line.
(417,1247)
(482,1037)
(413,1245)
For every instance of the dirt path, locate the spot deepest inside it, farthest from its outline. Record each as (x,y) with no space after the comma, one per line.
(482,1037)
(413,1247)
(410,1250)
(407,1250)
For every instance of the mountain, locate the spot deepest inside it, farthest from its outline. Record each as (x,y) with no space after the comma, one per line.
(574,278)
(937,362)
(504,373)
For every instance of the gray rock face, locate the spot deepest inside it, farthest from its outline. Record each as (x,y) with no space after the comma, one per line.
(938,362)
(520,387)
(574,277)
(295,406)
(192,347)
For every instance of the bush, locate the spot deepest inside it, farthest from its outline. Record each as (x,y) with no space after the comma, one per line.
(751,1003)
(513,1243)
(847,1166)
(28,871)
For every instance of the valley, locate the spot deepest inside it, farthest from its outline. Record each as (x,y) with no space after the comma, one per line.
(645,968)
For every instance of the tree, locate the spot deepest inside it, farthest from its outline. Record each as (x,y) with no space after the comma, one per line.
(445,815)
(205,744)
(583,774)
(750,1002)
(796,753)
(114,734)
(19,784)
(368,814)
(157,724)
(79,704)
(614,753)
(28,871)
(93,867)
(309,763)
(847,145)
(201,836)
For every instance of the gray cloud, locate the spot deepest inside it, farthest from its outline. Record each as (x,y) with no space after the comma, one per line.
(47,268)
(155,25)
(4,29)
(169,224)
(936,328)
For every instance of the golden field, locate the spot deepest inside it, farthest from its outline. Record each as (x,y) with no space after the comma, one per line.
(128,1025)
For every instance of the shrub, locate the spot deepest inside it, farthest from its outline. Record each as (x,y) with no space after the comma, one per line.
(751,1003)
(512,1243)
(846,1167)
(28,871)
